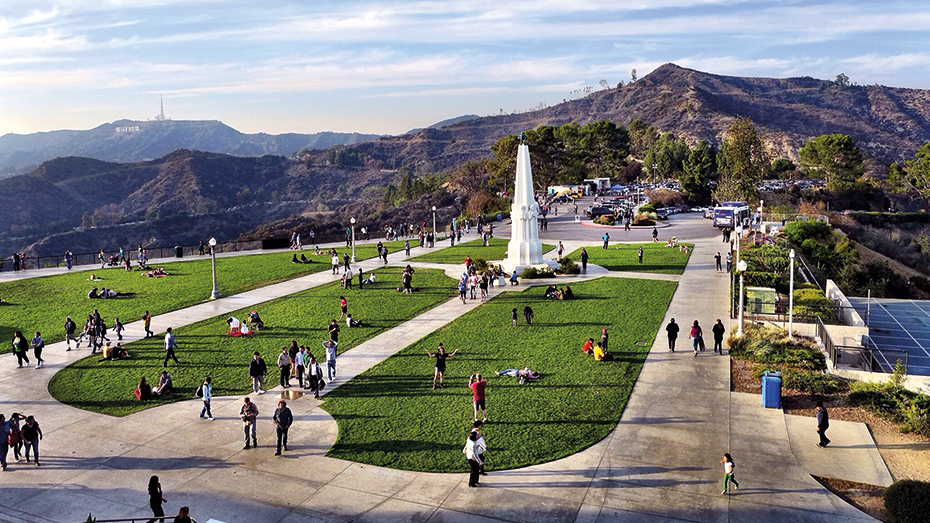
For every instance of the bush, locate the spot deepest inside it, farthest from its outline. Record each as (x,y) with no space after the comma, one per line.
(647,208)
(568,266)
(606,219)
(481,265)
(798,231)
(908,500)
(812,382)
(532,272)
(771,345)
(643,219)
(910,409)
(813,302)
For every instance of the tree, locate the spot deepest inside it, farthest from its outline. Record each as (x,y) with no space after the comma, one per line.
(503,166)
(700,169)
(834,157)
(605,146)
(665,158)
(604,85)
(633,76)
(742,162)
(547,152)
(915,175)
(642,138)
(842,80)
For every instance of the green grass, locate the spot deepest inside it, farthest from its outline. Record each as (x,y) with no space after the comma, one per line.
(205,349)
(496,249)
(389,416)
(41,304)
(657,258)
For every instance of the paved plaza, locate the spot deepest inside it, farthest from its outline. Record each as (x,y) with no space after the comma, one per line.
(659,464)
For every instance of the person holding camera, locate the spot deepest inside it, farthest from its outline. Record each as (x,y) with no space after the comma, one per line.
(248,413)
(477,385)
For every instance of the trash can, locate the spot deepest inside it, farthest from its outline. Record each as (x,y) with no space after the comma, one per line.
(178,251)
(771,389)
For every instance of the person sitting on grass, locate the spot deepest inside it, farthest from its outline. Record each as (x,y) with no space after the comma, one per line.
(256,321)
(370,279)
(92,295)
(233,324)
(566,293)
(352,323)
(303,259)
(294,258)
(588,347)
(144,392)
(164,384)
(601,355)
(552,292)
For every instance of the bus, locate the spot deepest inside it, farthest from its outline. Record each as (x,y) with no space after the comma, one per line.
(731,214)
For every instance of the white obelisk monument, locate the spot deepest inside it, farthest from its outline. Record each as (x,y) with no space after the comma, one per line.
(524,249)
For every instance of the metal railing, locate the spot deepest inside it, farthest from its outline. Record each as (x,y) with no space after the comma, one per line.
(133,520)
(878,359)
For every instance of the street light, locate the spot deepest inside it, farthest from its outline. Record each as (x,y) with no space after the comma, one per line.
(434,226)
(354,259)
(791,295)
(655,173)
(739,234)
(216,293)
(741,268)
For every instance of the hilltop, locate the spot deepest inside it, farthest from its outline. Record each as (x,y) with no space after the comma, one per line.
(134,141)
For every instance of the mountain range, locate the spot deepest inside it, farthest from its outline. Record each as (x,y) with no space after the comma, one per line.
(135,141)
(177,197)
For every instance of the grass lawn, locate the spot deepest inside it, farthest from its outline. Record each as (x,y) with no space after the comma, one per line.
(389,416)
(205,349)
(41,304)
(495,250)
(657,258)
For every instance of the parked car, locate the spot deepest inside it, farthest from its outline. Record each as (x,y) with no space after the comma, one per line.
(599,211)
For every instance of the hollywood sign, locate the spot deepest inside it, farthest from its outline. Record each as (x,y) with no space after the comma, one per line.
(132,129)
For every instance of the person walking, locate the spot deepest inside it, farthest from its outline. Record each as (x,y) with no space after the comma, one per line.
(170,345)
(16,435)
(584,260)
(472,454)
(20,349)
(207,396)
(477,385)
(284,364)
(719,330)
(282,421)
(248,413)
(330,348)
(728,476)
(314,375)
(729,261)
(118,329)
(823,423)
(606,238)
(697,337)
(156,498)
(70,329)
(343,307)
(482,446)
(334,331)
(672,330)
(717,263)
(31,436)
(639,254)
(257,371)
(655,234)
(560,250)
(335,261)
(5,433)
(37,346)
(407,247)
(147,323)
(441,357)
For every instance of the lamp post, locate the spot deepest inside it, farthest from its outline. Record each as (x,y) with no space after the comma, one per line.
(791,294)
(354,259)
(216,293)
(739,234)
(434,227)
(655,173)
(741,268)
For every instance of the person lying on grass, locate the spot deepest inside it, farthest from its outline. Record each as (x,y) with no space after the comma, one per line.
(524,373)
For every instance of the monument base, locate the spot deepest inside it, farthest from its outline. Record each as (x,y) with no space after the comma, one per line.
(509,267)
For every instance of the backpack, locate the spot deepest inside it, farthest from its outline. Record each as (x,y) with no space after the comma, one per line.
(199,392)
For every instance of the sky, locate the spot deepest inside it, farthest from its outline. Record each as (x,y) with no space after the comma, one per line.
(386,67)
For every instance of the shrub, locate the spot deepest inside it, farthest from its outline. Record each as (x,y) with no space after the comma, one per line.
(910,409)
(771,345)
(533,272)
(813,302)
(812,382)
(643,219)
(606,219)
(481,265)
(798,231)
(908,500)
(568,266)
(647,208)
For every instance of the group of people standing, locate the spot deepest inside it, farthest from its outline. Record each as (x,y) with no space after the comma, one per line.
(696,336)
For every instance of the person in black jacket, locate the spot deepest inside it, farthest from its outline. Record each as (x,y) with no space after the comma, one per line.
(672,330)
(257,371)
(282,421)
(718,331)
(823,423)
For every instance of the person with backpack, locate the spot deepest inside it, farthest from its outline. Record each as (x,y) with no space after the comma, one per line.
(697,338)
(37,346)
(70,329)
(20,349)
(205,393)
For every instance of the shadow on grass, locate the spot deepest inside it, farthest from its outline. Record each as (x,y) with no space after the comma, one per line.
(391,446)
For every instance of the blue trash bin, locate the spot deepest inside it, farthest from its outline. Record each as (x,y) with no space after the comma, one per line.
(771,389)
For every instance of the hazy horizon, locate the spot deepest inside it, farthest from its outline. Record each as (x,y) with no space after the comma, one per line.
(385,67)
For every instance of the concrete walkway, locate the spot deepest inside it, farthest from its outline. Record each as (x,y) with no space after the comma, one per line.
(659,464)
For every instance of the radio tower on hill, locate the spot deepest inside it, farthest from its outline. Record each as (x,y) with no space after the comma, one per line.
(161,115)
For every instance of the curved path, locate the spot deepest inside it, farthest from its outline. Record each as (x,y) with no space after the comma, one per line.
(660,463)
